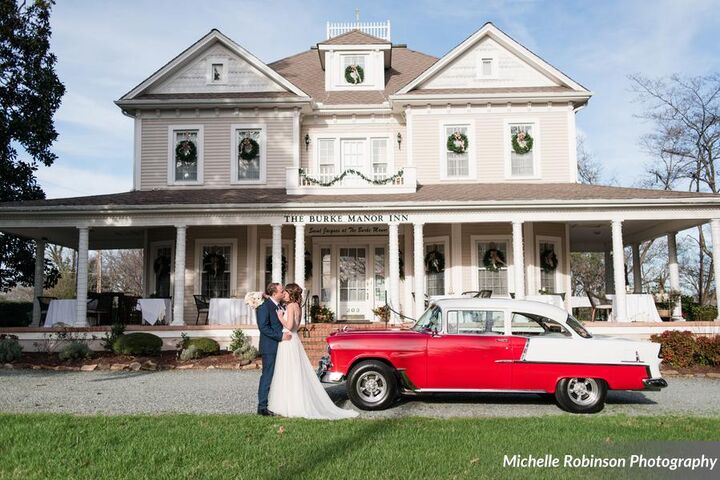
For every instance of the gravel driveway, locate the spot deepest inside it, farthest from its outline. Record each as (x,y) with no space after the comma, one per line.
(232,391)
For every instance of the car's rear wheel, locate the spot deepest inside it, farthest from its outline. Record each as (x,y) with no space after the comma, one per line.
(581,395)
(372,385)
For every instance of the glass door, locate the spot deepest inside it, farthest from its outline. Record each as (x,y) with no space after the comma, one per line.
(352,158)
(353,292)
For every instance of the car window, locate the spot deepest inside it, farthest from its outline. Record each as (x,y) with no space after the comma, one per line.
(528,324)
(475,322)
(577,326)
(430,321)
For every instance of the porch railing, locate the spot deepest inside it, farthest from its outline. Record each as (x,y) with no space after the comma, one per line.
(350,181)
(376,29)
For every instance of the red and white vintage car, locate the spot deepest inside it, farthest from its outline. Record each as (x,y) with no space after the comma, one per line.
(489,345)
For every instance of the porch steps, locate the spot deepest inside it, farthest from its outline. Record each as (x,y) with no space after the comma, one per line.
(314,339)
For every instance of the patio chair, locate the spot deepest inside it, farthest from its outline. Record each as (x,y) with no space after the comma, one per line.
(485,294)
(203,306)
(100,306)
(44,305)
(130,313)
(598,303)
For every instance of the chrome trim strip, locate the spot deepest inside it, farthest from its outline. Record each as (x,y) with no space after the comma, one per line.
(504,361)
(478,390)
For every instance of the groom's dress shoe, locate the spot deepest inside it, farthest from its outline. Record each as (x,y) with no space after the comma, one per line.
(265,412)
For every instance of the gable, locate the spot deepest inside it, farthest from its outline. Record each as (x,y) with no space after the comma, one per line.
(464,71)
(194,76)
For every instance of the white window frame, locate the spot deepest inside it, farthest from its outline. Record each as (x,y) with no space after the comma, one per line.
(475,261)
(234,156)
(472,138)
(445,241)
(200,153)
(493,66)
(556,241)
(537,144)
(213,61)
(266,243)
(202,242)
(337,151)
(154,246)
(367,79)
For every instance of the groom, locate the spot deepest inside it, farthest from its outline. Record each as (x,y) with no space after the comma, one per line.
(270,335)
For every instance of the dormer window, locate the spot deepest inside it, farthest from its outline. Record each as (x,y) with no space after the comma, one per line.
(353,69)
(217,73)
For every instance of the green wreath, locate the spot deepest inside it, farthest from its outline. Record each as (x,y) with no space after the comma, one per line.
(519,139)
(457,142)
(494,264)
(214,263)
(354,74)
(283,265)
(186,151)
(548,260)
(248,148)
(434,262)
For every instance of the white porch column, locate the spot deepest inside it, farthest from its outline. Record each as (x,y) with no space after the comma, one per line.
(300,254)
(637,271)
(619,270)
(674,274)
(419,268)
(456,267)
(609,273)
(39,280)
(518,259)
(252,258)
(715,228)
(394,259)
(276,254)
(179,287)
(82,278)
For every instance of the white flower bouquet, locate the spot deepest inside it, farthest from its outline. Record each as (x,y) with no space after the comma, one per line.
(254,299)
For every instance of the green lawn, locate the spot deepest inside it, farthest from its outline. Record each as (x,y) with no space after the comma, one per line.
(48,446)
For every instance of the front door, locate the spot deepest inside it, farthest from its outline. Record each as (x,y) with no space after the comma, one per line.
(354,295)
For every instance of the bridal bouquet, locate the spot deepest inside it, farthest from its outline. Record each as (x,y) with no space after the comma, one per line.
(254,299)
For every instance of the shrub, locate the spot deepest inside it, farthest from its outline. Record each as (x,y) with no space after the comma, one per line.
(138,343)
(237,340)
(204,345)
(708,350)
(703,313)
(321,314)
(75,351)
(10,348)
(677,348)
(115,332)
(190,353)
(15,314)
(247,353)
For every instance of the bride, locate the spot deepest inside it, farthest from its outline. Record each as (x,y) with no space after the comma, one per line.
(296,390)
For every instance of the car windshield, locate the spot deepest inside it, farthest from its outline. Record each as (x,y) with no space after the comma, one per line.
(577,327)
(430,321)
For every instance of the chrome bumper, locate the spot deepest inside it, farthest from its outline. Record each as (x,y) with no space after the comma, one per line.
(326,376)
(654,384)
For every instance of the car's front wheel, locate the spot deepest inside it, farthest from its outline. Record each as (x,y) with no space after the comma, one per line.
(372,385)
(581,395)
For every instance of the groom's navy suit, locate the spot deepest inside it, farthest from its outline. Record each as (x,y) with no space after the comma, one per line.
(270,335)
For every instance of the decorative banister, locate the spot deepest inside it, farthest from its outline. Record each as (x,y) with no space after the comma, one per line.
(376,29)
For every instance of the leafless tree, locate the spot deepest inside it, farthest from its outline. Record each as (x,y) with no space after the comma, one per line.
(684,144)
(122,271)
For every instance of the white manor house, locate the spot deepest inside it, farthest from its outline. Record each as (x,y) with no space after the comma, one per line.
(366,172)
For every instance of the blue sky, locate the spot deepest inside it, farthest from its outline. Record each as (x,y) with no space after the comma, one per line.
(105,48)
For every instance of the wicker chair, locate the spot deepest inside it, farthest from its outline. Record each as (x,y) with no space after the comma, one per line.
(203,306)
(100,305)
(44,305)
(598,303)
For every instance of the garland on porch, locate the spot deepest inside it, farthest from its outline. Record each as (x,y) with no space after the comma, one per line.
(457,142)
(434,262)
(248,148)
(333,181)
(186,151)
(283,265)
(548,260)
(354,74)
(214,263)
(522,143)
(494,259)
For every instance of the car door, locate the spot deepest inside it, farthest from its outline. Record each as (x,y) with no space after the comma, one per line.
(472,354)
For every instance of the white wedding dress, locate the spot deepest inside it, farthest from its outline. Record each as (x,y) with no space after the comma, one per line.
(295,390)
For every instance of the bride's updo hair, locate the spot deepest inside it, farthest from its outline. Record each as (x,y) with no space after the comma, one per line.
(295,292)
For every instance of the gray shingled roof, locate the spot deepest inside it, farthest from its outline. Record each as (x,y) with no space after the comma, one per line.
(426,194)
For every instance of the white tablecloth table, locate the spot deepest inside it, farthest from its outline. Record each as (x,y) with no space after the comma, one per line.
(555,300)
(640,308)
(229,311)
(61,311)
(156,309)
